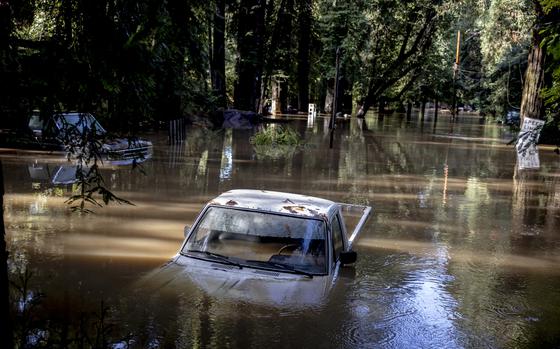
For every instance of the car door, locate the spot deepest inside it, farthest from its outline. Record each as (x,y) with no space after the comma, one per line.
(337,243)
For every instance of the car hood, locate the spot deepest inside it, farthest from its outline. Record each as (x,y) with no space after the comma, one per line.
(265,287)
(124,144)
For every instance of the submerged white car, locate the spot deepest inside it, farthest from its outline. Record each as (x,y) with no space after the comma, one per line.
(62,128)
(266,247)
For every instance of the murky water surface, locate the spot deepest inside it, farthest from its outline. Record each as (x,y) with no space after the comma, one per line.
(462,250)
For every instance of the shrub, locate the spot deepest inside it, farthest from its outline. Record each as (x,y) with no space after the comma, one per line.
(276,136)
(276,142)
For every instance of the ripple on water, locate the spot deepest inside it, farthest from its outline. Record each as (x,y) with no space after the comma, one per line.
(358,334)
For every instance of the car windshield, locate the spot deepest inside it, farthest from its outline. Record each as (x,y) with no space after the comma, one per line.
(35,123)
(260,240)
(80,121)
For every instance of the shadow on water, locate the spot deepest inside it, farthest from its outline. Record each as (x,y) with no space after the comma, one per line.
(461,250)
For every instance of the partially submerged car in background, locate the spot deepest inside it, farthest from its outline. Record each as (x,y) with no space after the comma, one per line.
(266,247)
(63,128)
(513,118)
(44,175)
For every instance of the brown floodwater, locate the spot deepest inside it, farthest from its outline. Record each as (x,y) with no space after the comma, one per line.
(461,250)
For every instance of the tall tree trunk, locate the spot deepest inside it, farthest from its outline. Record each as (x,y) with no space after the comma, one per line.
(423,111)
(268,47)
(364,107)
(170,101)
(6,334)
(436,109)
(277,106)
(303,53)
(260,42)
(329,97)
(5,32)
(219,54)
(344,96)
(67,13)
(408,110)
(250,22)
(211,48)
(531,101)
(285,63)
(381,106)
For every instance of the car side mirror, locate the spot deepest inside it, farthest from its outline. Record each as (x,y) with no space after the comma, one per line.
(186,230)
(348,257)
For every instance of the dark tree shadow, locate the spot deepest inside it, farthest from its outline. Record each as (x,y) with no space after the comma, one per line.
(6,334)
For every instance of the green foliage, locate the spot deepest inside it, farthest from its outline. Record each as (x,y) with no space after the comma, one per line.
(551,94)
(505,27)
(148,60)
(385,43)
(276,135)
(127,61)
(276,142)
(495,36)
(550,5)
(551,42)
(84,147)
(264,152)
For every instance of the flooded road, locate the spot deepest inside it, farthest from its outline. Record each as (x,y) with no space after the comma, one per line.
(462,250)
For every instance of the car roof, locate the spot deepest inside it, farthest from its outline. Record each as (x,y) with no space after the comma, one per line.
(74,114)
(277,202)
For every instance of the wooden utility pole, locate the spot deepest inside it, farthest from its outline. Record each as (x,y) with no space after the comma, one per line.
(455,70)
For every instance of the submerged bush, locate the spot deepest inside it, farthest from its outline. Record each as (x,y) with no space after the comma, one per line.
(276,136)
(276,142)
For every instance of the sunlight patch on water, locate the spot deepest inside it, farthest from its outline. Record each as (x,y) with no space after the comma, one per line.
(548,264)
(129,247)
(226,167)
(470,138)
(420,226)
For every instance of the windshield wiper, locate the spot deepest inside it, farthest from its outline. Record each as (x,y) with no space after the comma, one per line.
(220,257)
(284,267)
(291,268)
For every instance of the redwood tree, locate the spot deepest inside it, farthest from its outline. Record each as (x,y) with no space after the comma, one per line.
(531,99)
(250,40)
(219,54)
(303,53)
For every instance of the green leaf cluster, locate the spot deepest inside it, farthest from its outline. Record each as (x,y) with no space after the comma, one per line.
(84,145)
(129,62)
(275,142)
(276,135)
(551,42)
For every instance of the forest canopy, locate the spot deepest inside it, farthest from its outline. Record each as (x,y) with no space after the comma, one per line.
(151,61)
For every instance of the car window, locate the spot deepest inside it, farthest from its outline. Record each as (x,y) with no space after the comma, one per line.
(80,122)
(337,238)
(261,239)
(35,123)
